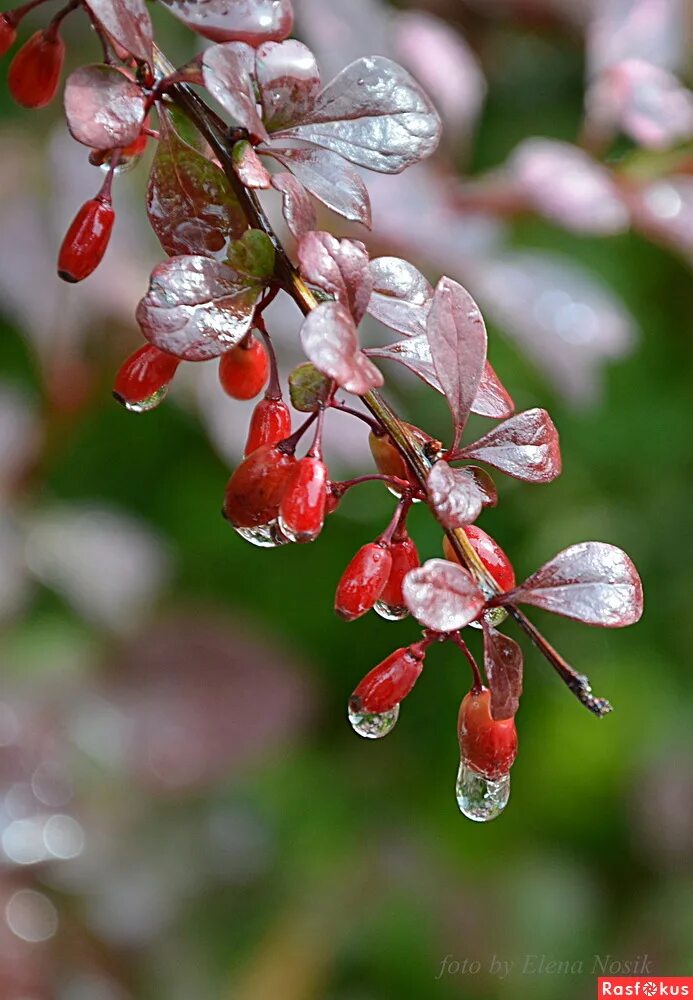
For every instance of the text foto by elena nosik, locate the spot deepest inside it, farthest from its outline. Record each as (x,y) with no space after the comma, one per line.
(546,965)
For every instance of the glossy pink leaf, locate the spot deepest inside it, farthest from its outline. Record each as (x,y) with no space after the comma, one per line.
(197,308)
(251,21)
(592,582)
(566,185)
(249,167)
(339,268)
(128,22)
(441,595)
(190,204)
(525,446)
(401,295)
(492,398)
(454,494)
(226,71)
(330,340)
(503,666)
(297,206)
(288,80)
(104,107)
(328,178)
(374,114)
(457,340)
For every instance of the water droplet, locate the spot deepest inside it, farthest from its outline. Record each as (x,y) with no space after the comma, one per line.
(493,617)
(479,798)
(392,612)
(143,405)
(265,536)
(372,725)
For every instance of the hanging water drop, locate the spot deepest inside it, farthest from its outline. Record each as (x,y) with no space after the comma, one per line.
(143,405)
(372,725)
(392,612)
(493,617)
(479,798)
(265,536)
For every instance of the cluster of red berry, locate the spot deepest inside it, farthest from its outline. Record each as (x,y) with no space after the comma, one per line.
(225,265)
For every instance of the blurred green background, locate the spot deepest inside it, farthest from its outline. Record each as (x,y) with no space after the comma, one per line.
(289,858)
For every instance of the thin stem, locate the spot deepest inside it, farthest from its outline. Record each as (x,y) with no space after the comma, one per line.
(476,673)
(51,32)
(13,17)
(274,389)
(340,488)
(315,450)
(401,511)
(288,445)
(337,404)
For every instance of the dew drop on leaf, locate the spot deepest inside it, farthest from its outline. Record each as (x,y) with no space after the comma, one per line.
(265,536)
(372,725)
(392,612)
(493,617)
(479,798)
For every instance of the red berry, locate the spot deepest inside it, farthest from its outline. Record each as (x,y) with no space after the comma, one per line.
(388,459)
(404,558)
(255,489)
(363,580)
(8,33)
(390,682)
(488,745)
(144,377)
(244,370)
(333,499)
(491,554)
(35,70)
(86,240)
(270,423)
(302,508)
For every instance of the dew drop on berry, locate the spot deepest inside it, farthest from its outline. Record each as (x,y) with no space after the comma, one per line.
(265,536)
(373,725)
(392,612)
(143,405)
(479,798)
(493,617)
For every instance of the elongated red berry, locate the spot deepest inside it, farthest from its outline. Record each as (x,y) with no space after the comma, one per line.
(363,581)
(389,460)
(8,33)
(405,557)
(244,370)
(254,491)
(143,378)
(86,240)
(35,71)
(302,508)
(488,745)
(491,554)
(390,682)
(270,423)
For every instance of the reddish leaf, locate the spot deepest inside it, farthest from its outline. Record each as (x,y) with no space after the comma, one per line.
(328,178)
(190,204)
(457,339)
(330,340)
(592,582)
(374,114)
(128,22)
(485,485)
(249,167)
(455,495)
(251,21)
(492,399)
(525,446)
(339,267)
(401,296)
(104,108)
(297,207)
(442,595)
(503,666)
(226,71)
(288,80)
(197,308)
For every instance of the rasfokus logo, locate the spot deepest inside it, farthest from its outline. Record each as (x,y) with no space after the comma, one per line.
(632,986)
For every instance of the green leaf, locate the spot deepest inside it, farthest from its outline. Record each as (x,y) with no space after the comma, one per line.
(252,254)
(308,387)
